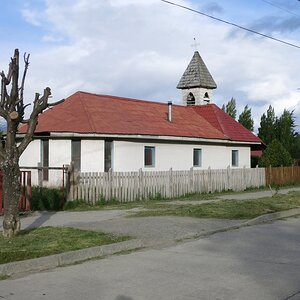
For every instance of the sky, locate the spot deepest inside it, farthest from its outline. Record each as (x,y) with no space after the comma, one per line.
(140,48)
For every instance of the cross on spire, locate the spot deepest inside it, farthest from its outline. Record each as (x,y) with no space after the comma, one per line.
(197,44)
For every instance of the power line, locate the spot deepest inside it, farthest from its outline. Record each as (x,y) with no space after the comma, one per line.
(280,7)
(232,24)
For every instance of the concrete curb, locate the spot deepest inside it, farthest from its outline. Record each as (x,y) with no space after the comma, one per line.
(256,221)
(72,257)
(67,258)
(273,216)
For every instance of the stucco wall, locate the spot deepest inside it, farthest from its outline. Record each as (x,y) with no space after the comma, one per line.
(31,157)
(129,156)
(92,156)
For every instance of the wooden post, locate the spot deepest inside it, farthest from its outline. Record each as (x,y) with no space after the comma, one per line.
(110,182)
(170,183)
(209,180)
(191,181)
(71,182)
(228,178)
(141,184)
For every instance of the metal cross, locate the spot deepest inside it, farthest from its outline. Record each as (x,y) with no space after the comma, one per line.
(197,44)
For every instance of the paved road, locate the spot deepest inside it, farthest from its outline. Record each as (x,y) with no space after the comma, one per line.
(259,262)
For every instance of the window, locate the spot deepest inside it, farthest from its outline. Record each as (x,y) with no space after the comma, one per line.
(107,155)
(149,156)
(190,99)
(197,159)
(45,158)
(76,154)
(235,158)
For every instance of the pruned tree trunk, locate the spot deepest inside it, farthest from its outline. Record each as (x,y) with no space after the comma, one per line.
(12,109)
(12,193)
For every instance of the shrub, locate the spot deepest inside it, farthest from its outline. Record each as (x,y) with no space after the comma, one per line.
(46,199)
(275,155)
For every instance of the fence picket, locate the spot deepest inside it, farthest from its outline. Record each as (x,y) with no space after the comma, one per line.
(130,186)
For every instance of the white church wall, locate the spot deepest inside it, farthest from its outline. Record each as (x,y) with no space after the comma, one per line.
(129,156)
(30,158)
(92,155)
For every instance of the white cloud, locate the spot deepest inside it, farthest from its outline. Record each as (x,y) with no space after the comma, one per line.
(31,16)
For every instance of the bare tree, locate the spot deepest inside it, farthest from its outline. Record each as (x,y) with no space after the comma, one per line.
(12,109)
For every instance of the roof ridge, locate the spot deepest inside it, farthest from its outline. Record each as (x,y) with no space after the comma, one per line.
(127,98)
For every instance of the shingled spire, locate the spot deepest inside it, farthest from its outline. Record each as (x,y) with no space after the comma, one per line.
(196,82)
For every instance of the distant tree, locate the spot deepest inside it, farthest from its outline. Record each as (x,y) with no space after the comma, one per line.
(285,129)
(245,118)
(12,109)
(295,151)
(266,131)
(275,155)
(230,108)
(223,107)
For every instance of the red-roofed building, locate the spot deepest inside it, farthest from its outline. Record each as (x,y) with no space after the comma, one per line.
(99,132)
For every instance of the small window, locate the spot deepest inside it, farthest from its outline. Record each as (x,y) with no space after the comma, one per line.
(76,154)
(45,159)
(235,158)
(149,156)
(107,155)
(190,99)
(197,160)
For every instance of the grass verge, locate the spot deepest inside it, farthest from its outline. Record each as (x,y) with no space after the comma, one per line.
(51,240)
(227,209)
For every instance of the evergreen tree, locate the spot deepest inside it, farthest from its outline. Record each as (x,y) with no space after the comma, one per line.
(267,131)
(295,151)
(245,118)
(275,155)
(231,108)
(285,129)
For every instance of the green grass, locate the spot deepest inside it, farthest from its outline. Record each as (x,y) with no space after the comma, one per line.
(227,209)
(50,240)
(80,205)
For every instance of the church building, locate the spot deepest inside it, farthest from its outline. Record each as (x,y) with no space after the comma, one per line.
(101,132)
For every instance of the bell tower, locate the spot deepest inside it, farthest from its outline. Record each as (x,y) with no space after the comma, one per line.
(196,83)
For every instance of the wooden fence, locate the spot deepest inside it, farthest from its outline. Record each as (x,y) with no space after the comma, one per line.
(282,175)
(130,186)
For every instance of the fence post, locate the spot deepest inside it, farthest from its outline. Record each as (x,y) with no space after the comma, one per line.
(40,175)
(209,180)
(110,182)
(170,183)
(71,182)
(141,185)
(191,181)
(228,178)
(244,178)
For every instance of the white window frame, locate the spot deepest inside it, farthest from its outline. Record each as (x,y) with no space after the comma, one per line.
(152,165)
(235,158)
(198,152)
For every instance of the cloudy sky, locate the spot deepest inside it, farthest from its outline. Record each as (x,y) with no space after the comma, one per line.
(140,48)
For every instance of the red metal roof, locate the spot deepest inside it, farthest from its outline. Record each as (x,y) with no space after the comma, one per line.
(102,114)
(226,124)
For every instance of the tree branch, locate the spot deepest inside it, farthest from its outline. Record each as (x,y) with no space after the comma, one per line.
(40,104)
(26,61)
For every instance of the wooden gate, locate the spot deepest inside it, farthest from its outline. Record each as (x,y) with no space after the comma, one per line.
(25,180)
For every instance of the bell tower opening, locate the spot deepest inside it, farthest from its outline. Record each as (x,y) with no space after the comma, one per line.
(190,99)
(206,97)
